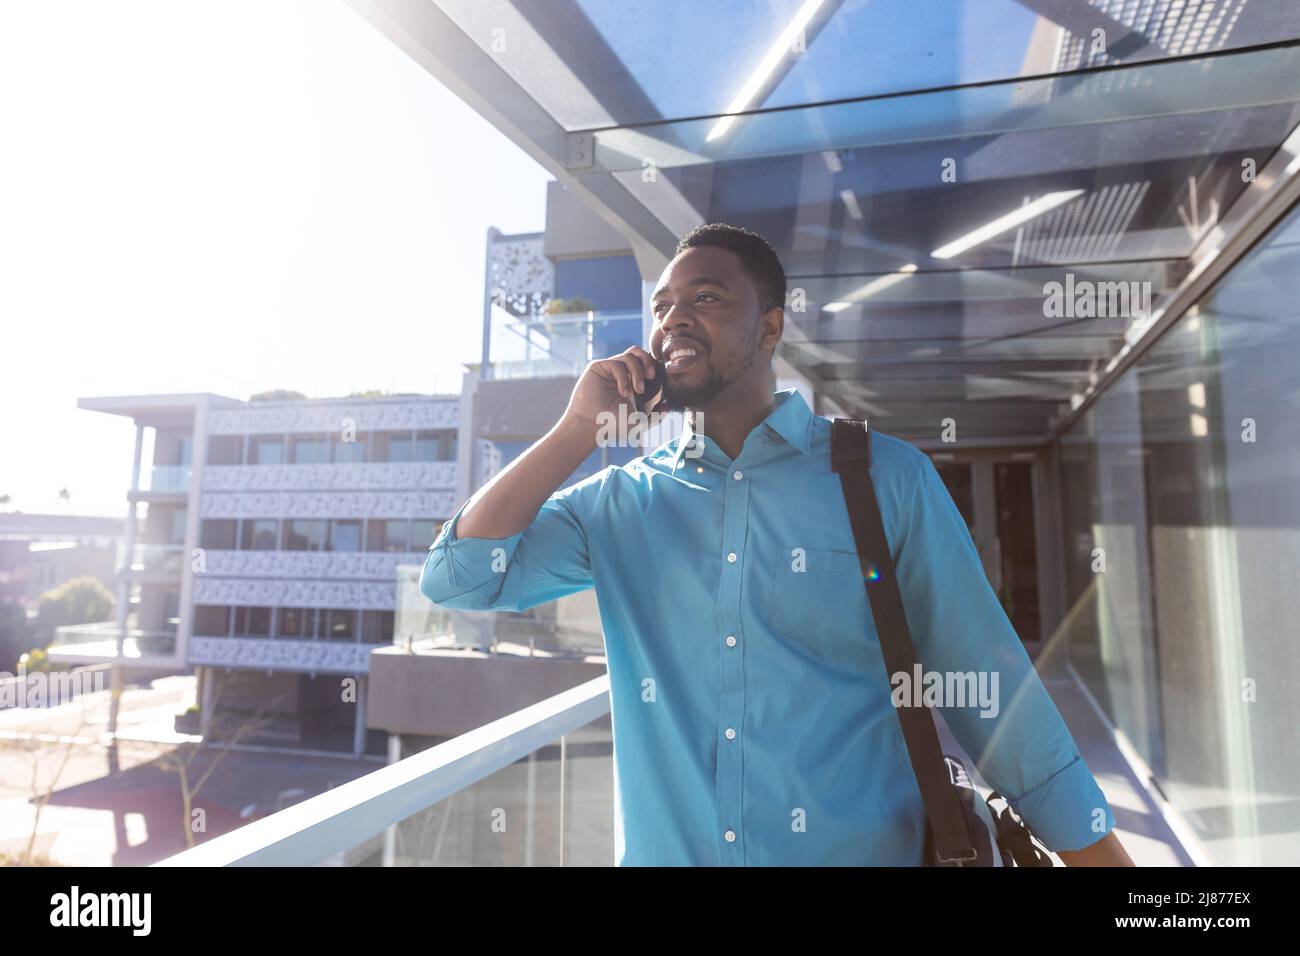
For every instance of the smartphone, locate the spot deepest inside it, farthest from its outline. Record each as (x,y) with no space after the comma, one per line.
(653,387)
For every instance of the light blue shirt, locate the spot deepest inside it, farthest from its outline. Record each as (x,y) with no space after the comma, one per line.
(751,708)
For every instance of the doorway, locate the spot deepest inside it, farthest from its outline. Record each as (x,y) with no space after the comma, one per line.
(995,494)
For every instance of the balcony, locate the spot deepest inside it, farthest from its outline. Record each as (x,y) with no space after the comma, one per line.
(336,476)
(98,641)
(165,480)
(558,345)
(533,788)
(160,560)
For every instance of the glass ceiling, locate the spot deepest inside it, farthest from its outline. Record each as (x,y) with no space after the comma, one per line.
(640,61)
(882,146)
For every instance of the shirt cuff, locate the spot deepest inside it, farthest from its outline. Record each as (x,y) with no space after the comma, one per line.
(456,563)
(1068,811)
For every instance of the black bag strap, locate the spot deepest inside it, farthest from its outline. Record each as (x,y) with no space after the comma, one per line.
(851,458)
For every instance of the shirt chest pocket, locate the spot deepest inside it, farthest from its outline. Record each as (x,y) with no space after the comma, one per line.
(819,603)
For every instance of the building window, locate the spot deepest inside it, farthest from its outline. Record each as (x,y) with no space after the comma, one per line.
(339,624)
(423,533)
(218,534)
(392,446)
(226,450)
(425,447)
(350,452)
(211,620)
(304,535)
(171,610)
(377,627)
(297,622)
(309,449)
(252,622)
(260,534)
(165,525)
(266,450)
(345,536)
(447,446)
(386,534)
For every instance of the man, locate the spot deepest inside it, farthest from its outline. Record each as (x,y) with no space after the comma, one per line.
(753,717)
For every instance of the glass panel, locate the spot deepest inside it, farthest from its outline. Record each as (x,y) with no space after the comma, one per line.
(560,342)
(1017,550)
(296,622)
(165,479)
(260,534)
(957,478)
(345,536)
(252,622)
(304,535)
(348,452)
(425,446)
(386,534)
(568,627)
(377,627)
(552,808)
(310,449)
(392,446)
(423,534)
(1183,519)
(639,76)
(266,450)
(339,624)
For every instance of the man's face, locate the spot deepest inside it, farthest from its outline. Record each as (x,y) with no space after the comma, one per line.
(705,302)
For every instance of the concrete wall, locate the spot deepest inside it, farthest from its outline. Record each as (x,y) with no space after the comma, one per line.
(520,408)
(450,694)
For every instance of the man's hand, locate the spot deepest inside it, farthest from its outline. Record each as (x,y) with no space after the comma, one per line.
(607,383)
(1107,851)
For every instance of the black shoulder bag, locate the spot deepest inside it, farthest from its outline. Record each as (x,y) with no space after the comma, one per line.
(957,833)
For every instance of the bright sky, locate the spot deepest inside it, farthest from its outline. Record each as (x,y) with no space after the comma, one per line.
(226,196)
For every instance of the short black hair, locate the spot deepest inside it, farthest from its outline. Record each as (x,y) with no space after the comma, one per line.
(758,260)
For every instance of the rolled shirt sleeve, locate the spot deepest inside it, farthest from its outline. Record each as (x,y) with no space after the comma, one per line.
(547,560)
(1022,745)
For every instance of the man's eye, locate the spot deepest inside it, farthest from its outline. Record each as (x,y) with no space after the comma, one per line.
(709,294)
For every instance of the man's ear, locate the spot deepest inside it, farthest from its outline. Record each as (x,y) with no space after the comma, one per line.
(773,325)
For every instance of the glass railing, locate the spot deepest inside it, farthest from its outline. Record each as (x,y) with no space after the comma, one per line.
(532,788)
(161,558)
(100,640)
(165,478)
(560,344)
(553,807)
(567,627)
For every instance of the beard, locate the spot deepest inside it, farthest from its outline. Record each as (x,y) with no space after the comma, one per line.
(718,377)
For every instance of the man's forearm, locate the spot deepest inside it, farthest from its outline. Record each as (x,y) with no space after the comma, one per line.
(509,502)
(1107,851)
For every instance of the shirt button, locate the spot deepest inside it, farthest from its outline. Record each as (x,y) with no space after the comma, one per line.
(700,469)
(738,475)
(731,734)
(731,640)
(731,557)
(730,836)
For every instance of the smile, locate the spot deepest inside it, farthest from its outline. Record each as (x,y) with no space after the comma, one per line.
(680,358)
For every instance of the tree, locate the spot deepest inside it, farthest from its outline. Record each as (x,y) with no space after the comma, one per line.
(82,600)
(224,732)
(277,395)
(15,634)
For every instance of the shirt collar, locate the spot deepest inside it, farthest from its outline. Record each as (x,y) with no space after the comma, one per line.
(792,420)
